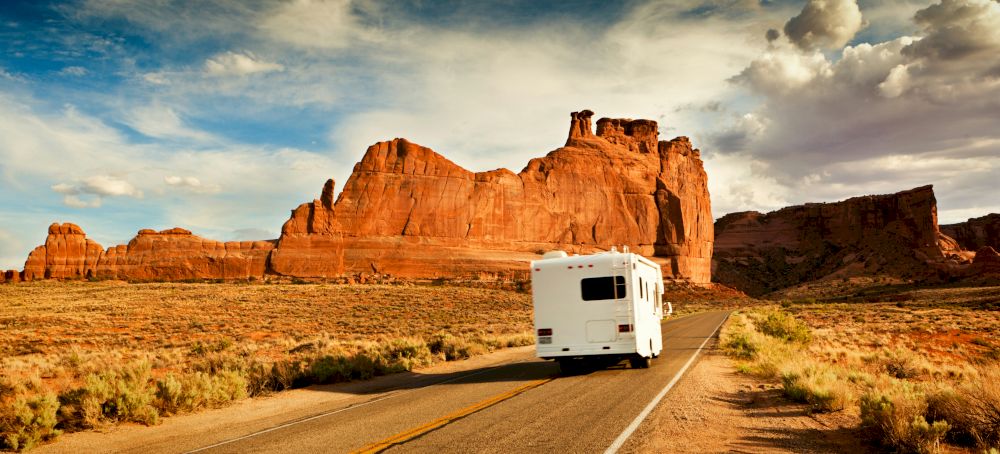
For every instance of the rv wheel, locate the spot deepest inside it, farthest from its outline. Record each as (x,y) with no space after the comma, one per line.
(568,366)
(639,362)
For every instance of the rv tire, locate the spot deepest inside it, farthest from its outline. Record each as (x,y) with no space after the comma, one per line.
(639,362)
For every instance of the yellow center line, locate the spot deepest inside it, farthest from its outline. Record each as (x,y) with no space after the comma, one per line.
(415,432)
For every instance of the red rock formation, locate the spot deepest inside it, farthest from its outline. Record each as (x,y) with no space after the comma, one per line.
(894,234)
(408,211)
(67,254)
(176,254)
(976,232)
(172,254)
(987,261)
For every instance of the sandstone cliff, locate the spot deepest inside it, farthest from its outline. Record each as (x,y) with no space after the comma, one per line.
(408,211)
(172,254)
(976,232)
(894,234)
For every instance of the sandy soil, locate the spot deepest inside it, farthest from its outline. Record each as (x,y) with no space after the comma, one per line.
(715,409)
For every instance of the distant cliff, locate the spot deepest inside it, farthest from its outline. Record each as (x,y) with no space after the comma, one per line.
(976,232)
(408,211)
(895,234)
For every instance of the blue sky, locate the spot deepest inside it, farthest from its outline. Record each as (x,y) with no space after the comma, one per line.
(221,116)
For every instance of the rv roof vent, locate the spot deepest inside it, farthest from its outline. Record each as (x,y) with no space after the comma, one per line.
(554,255)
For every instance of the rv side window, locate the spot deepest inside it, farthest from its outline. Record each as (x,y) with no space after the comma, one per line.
(603,288)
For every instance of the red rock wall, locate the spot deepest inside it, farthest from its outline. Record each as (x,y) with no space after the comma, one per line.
(409,211)
(976,233)
(894,234)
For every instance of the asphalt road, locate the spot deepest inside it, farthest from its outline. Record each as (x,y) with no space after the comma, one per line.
(520,406)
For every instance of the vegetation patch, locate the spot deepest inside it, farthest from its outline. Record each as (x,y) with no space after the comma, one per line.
(916,377)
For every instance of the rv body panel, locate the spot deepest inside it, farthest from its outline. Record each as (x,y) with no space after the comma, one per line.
(602,304)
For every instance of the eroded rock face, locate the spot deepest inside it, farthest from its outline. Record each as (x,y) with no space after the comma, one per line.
(408,211)
(976,232)
(66,254)
(895,234)
(172,254)
(177,254)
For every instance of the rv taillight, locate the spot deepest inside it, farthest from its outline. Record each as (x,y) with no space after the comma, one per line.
(624,328)
(544,331)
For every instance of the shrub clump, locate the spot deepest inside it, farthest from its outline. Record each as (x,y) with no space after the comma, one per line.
(818,386)
(973,409)
(26,421)
(784,326)
(894,415)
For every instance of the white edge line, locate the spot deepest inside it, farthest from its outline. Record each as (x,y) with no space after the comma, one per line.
(620,441)
(333,412)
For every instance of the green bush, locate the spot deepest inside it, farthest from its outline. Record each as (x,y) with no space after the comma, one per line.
(740,346)
(895,416)
(817,386)
(784,326)
(26,421)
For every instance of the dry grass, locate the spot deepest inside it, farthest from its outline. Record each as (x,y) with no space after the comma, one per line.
(918,369)
(75,356)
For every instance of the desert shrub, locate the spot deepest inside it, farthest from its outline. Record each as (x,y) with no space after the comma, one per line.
(819,386)
(902,363)
(330,369)
(408,353)
(196,390)
(973,409)
(288,374)
(27,420)
(893,413)
(454,348)
(740,346)
(784,326)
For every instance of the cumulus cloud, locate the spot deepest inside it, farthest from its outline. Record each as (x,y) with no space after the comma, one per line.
(88,193)
(825,24)
(239,64)
(884,116)
(192,184)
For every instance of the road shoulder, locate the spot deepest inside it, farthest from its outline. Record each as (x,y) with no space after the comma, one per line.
(715,409)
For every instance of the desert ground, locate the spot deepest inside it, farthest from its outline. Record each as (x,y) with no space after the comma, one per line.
(80,355)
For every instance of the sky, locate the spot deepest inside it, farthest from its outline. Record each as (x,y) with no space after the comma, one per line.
(221,116)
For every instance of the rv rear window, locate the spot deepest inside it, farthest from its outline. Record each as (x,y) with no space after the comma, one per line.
(603,288)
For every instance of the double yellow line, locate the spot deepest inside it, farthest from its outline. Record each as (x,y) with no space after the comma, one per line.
(415,432)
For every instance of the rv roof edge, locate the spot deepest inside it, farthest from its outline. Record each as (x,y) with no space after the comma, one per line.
(554,255)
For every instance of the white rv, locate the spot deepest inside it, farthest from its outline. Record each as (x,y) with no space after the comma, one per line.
(602,305)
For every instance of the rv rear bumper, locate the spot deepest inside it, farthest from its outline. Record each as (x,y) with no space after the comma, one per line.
(559,351)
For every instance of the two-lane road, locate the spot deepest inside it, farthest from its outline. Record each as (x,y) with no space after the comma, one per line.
(522,406)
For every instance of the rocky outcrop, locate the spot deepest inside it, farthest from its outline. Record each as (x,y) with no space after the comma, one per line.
(177,254)
(173,254)
(66,254)
(408,211)
(987,261)
(894,234)
(976,232)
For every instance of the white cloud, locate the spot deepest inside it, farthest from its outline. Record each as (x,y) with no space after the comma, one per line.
(163,122)
(239,64)
(76,71)
(828,24)
(192,184)
(88,192)
(320,24)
